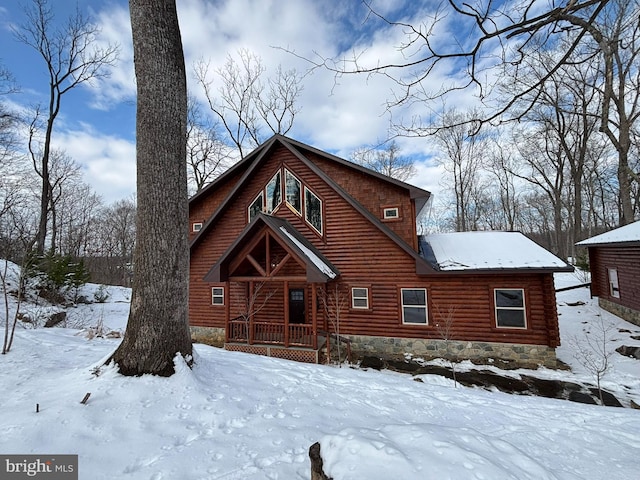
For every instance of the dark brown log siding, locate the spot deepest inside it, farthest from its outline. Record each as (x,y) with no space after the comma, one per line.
(202,208)
(366,257)
(469,300)
(626,260)
(374,194)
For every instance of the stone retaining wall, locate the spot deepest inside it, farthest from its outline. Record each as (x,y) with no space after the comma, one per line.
(520,354)
(626,313)
(208,335)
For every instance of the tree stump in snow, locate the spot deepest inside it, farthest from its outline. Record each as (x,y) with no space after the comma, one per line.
(317,473)
(55,319)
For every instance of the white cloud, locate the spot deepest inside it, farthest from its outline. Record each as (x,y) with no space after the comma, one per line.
(108,163)
(337,114)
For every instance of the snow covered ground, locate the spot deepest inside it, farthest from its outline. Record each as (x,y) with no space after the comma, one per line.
(237,416)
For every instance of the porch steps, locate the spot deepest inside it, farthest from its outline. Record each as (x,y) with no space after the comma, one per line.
(297,354)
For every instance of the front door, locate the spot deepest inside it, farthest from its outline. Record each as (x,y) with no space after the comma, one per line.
(296,305)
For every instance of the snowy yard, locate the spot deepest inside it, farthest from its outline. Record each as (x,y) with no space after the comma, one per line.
(237,416)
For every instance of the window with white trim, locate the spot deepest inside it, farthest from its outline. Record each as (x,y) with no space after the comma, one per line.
(256,206)
(273,193)
(196,227)
(414,306)
(510,308)
(360,297)
(217,295)
(293,190)
(391,213)
(313,210)
(614,286)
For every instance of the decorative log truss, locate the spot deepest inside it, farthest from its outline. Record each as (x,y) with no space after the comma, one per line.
(264,259)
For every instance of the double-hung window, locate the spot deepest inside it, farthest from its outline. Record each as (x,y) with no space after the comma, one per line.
(510,308)
(360,297)
(414,306)
(217,295)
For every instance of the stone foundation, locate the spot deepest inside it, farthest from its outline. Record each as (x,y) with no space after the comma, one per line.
(390,347)
(626,313)
(208,335)
(521,355)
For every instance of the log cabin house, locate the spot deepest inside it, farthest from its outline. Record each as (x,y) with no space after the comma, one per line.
(294,249)
(614,262)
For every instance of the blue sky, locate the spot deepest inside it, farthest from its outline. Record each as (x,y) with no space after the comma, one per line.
(97,124)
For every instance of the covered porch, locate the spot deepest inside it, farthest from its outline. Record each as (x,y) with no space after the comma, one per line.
(273,277)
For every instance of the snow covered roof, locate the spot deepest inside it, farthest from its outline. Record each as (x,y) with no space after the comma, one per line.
(627,233)
(487,251)
(308,252)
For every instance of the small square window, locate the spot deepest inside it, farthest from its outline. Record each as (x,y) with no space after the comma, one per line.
(360,297)
(510,308)
(197,226)
(414,306)
(217,295)
(391,213)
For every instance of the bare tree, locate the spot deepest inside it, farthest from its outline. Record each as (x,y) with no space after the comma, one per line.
(500,163)
(207,155)
(594,350)
(387,161)
(63,171)
(493,40)
(72,58)
(445,328)
(335,302)
(462,159)
(244,104)
(158,325)
(8,118)
(256,298)
(16,280)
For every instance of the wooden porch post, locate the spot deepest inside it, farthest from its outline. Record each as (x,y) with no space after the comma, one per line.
(227,310)
(314,315)
(286,313)
(250,313)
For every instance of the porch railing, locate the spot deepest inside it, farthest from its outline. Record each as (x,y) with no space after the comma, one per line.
(299,335)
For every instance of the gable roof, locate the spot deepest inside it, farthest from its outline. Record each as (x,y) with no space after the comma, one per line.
(318,268)
(254,159)
(625,235)
(488,251)
(420,195)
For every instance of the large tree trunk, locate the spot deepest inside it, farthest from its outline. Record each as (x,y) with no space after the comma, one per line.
(158,321)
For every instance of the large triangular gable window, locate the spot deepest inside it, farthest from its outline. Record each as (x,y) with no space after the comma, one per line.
(268,199)
(299,198)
